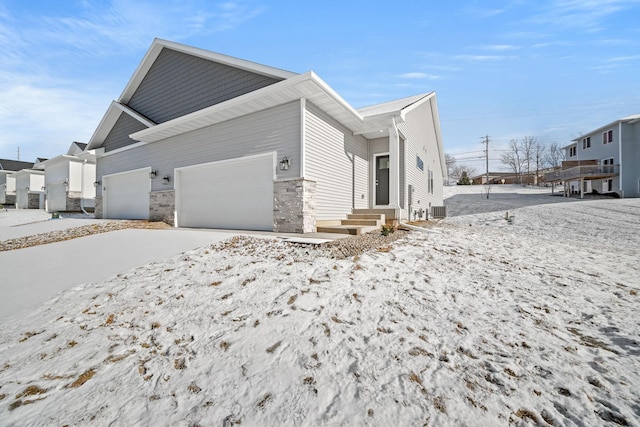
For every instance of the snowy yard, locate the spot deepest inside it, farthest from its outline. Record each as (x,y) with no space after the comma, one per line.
(478,321)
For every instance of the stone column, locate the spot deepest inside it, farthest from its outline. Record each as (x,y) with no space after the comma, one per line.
(294,206)
(98,208)
(162,206)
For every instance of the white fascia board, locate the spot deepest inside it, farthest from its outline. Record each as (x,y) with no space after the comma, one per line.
(307,85)
(426,97)
(157,46)
(630,119)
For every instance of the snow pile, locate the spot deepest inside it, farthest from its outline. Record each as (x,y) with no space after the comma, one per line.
(479,321)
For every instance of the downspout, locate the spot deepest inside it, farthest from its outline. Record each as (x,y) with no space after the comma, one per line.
(394,183)
(620,159)
(82,188)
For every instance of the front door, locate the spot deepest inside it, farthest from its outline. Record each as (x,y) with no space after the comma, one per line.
(382,180)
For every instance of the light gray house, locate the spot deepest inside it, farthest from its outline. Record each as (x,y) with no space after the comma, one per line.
(605,160)
(200,139)
(8,168)
(69,180)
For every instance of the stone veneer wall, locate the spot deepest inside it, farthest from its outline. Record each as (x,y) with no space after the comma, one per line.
(294,206)
(97,213)
(9,199)
(33,201)
(73,201)
(162,205)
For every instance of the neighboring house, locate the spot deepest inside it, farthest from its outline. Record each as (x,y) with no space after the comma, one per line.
(69,180)
(200,139)
(605,160)
(30,188)
(8,179)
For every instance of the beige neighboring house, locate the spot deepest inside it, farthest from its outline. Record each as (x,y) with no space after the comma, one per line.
(201,139)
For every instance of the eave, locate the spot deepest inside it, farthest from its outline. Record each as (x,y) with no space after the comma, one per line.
(109,120)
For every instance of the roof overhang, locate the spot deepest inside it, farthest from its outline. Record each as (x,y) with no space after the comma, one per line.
(630,120)
(307,85)
(109,120)
(68,158)
(159,44)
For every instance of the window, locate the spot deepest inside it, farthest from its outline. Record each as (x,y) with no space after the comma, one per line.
(586,143)
(607,137)
(572,151)
(608,165)
(419,163)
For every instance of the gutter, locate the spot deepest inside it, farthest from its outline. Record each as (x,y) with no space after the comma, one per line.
(82,188)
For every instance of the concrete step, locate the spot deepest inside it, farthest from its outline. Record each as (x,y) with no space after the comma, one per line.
(366,216)
(363,222)
(345,229)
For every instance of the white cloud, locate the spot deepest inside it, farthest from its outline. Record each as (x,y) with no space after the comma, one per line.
(416,75)
(500,47)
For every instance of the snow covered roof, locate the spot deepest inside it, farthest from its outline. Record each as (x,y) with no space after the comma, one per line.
(392,106)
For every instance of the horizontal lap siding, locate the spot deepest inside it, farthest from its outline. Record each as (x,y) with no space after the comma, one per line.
(179,84)
(337,161)
(276,129)
(118,137)
(420,140)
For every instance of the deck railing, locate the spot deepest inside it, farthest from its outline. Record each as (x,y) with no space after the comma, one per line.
(584,172)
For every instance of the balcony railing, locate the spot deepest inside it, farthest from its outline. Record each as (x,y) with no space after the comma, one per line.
(587,172)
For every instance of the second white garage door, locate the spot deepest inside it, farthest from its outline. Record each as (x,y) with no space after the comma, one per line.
(232,194)
(126,195)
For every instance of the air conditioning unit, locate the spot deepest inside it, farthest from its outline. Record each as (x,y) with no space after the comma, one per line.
(439,211)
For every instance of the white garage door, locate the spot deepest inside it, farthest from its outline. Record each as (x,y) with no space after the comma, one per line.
(56,197)
(126,195)
(233,194)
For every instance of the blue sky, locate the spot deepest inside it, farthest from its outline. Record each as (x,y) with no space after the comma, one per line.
(551,69)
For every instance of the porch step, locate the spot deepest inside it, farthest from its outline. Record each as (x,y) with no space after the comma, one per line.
(345,229)
(355,224)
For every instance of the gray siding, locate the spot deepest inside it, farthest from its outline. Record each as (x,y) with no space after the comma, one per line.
(631,159)
(119,135)
(179,84)
(276,129)
(420,140)
(338,161)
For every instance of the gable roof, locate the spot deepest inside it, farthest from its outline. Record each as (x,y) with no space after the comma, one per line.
(159,44)
(396,106)
(14,165)
(109,120)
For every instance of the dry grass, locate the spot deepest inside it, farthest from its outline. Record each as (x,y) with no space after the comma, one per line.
(83,378)
(274,347)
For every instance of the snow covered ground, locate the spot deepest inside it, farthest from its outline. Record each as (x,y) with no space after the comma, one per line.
(478,321)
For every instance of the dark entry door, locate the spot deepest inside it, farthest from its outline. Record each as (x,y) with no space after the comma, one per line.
(382,180)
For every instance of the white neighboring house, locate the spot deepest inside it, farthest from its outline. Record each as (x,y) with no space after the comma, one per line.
(8,168)
(30,188)
(603,161)
(69,180)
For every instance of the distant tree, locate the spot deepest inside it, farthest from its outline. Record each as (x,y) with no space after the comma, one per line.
(554,155)
(539,155)
(464,179)
(449,161)
(457,172)
(527,147)
(513,159)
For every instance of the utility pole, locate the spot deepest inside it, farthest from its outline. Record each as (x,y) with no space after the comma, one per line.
(486,153)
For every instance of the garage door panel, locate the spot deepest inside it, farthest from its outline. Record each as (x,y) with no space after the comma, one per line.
(234,195)
(57,197)
(127,195)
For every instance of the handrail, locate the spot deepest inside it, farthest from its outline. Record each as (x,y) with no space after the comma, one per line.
(583,171)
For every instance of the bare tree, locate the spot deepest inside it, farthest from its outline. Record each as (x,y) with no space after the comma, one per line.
(527,147)
(449,161)
(513,158)
(555,155)
(460,171)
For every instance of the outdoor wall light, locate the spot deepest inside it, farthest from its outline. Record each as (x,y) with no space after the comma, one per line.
(96,184)
(43,188)
(284,163)
(66,183)
(166,179)
(153,174)
(26,188)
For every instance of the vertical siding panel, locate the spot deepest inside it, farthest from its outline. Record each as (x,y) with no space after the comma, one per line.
(276,129)
(337,160)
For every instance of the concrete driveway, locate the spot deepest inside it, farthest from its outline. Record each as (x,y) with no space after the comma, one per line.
(30,276)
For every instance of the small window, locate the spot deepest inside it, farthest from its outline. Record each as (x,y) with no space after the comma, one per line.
(607,137)
(419,163)
(586,143)
(572,151)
